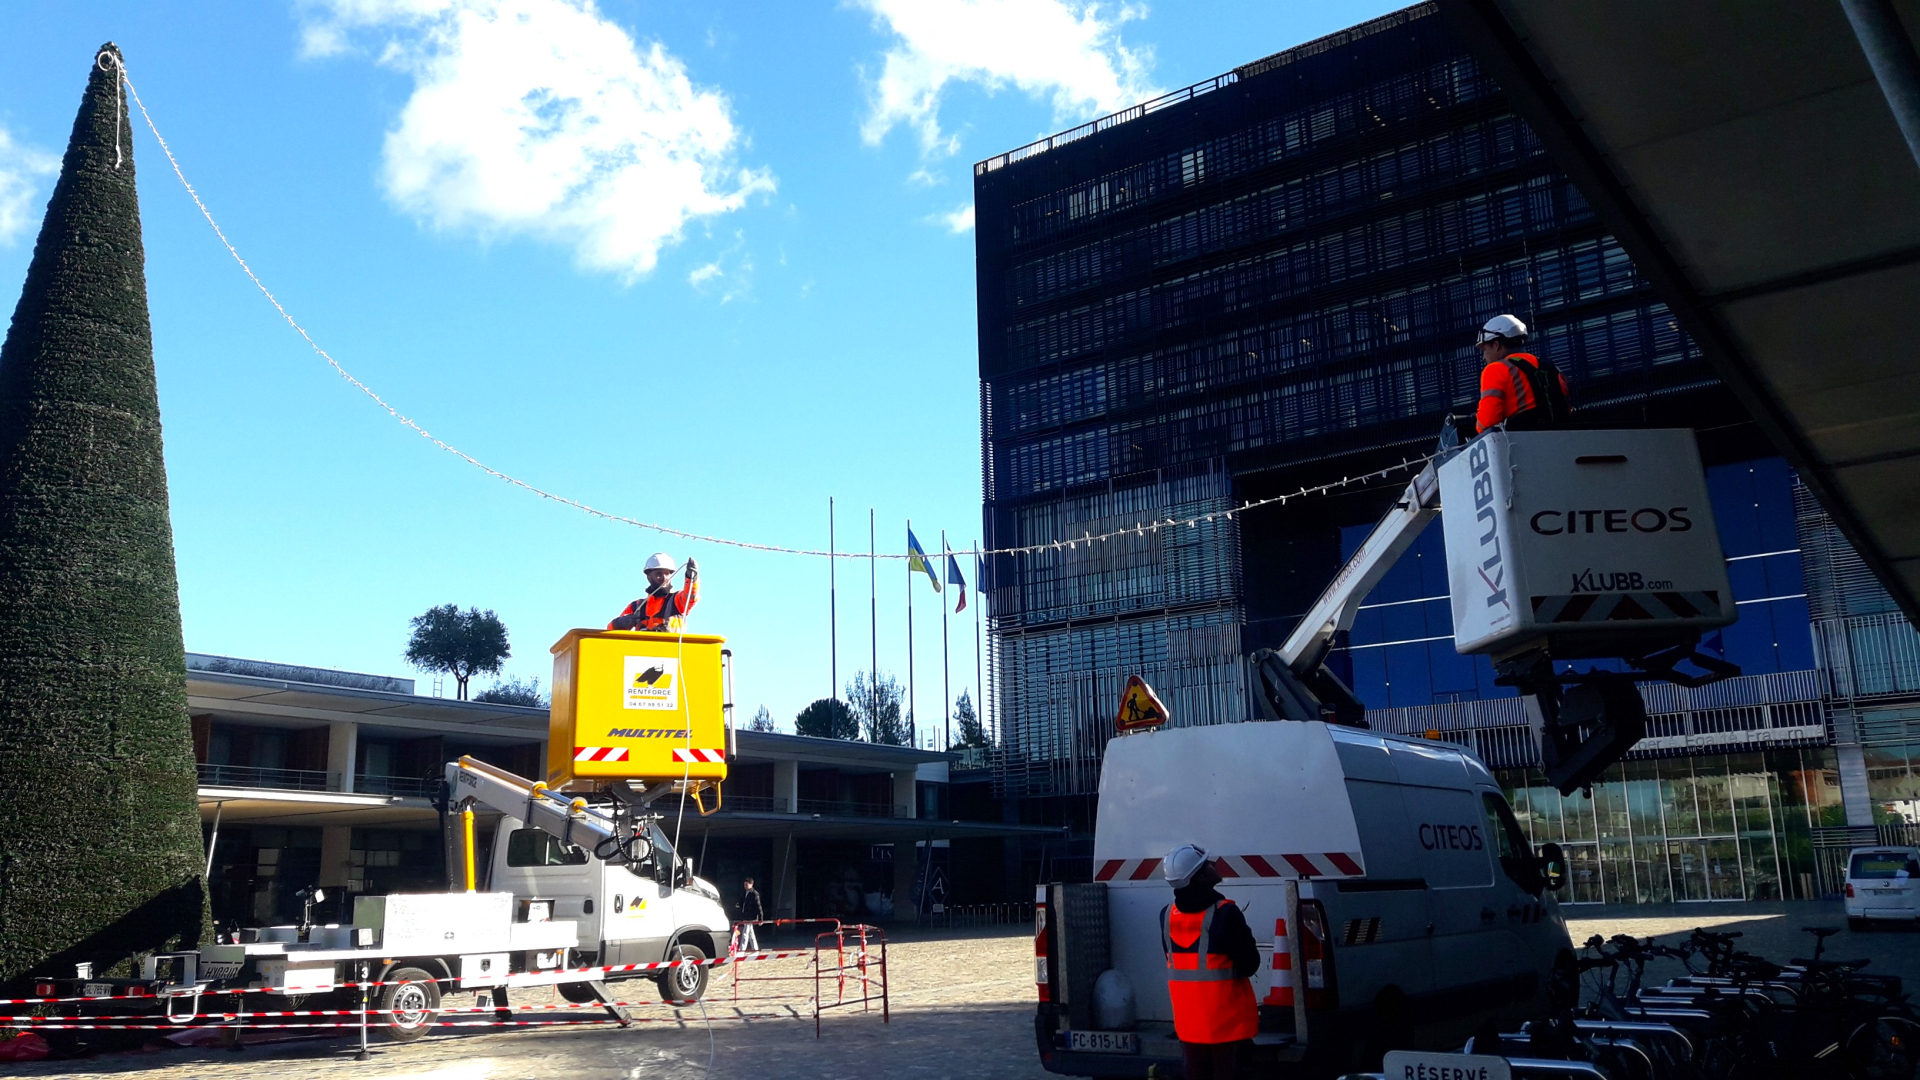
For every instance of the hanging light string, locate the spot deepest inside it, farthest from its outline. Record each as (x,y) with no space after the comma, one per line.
(1138,529)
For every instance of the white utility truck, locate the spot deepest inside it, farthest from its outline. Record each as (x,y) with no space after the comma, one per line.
(1395,898)
(582,876)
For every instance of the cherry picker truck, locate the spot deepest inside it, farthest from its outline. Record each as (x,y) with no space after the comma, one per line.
(583,888)
(1395,898)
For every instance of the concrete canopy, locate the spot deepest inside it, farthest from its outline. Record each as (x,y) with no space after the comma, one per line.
(1748,160)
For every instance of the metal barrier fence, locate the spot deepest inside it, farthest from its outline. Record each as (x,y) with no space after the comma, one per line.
(967,916)
(854,962)
(847,966)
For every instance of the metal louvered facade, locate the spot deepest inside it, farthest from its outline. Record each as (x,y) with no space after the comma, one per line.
(1281,265)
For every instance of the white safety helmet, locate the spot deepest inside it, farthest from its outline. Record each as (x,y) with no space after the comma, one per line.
(1502,326)
(1182,862)
(660,560)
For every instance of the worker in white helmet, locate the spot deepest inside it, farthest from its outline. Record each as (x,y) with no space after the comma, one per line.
(662,610)
(1211,958)
(1517,389)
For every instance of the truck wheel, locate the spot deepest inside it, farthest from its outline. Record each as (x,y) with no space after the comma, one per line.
(409,1004)
(578,992)
(684,985)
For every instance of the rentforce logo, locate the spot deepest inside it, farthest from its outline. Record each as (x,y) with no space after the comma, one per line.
(1493,569)
(652,682)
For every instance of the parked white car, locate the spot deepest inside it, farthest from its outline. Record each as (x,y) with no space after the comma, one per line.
(1883,883)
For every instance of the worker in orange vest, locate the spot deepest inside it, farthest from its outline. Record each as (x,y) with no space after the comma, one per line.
(662,609)
(1211,958)
(1517,389)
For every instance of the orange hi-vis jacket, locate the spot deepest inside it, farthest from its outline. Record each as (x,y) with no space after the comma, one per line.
(1210,1005)
(1505,391)
(658,614)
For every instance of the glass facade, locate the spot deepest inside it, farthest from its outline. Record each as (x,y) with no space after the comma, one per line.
(1705,827)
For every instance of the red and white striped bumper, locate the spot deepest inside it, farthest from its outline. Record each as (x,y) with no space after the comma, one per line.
(714,757)
(1326,864)
(599,753)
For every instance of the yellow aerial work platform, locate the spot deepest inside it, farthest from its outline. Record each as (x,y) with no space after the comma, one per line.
(637,706)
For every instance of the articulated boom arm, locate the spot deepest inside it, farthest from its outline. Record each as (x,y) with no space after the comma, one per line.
(1293,682)
(569,818)
(1307,646)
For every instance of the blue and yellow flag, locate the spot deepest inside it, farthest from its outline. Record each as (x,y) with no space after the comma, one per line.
(918,560)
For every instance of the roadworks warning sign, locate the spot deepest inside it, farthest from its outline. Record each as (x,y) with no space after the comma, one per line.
(1140,707)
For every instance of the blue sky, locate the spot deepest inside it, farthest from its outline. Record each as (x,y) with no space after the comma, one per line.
(705,265)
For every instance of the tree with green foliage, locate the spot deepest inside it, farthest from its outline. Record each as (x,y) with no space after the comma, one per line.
(762,720)
(878,702)
(101,855)
(827,718)
(972,732)
(461,643)
(515,692)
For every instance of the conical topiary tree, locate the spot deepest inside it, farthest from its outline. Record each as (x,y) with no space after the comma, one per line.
(100,846)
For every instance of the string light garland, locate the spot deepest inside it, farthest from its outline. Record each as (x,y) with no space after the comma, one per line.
(1138,529)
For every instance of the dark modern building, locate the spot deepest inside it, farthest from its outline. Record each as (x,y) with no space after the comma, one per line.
(1268,282)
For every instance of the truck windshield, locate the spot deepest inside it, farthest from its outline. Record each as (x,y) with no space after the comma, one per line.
(1516,859)
(1883,866)
(656,866)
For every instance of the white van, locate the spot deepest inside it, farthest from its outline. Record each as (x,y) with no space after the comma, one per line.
(638,913)
(1883,883)
(1417,909)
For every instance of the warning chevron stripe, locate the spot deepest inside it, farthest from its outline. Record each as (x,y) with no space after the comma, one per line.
(1626,607)
(1329,864)
(681,753)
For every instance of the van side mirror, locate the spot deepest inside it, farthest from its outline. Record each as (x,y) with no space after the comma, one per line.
(1553,867)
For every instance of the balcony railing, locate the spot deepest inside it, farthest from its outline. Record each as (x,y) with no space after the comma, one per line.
(767,804)
(376,784)
(1742,713)
(247,776)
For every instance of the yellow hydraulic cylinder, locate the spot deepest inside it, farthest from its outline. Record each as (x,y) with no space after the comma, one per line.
(466,826)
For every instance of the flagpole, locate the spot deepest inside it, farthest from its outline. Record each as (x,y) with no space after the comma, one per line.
(979,668)
(873,598)
(946,666)
(833,613)
(913,723)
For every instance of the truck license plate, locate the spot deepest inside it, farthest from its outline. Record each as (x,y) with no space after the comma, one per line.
(1104,1042)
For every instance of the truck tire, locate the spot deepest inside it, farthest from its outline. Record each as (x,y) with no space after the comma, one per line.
(578,992)
(409,1004)
(684,985)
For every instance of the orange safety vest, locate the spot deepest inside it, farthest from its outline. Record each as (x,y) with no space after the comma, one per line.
(1507,389)
(1210,1005)
(659,614)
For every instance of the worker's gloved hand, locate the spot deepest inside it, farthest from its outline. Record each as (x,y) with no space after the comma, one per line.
(693,570)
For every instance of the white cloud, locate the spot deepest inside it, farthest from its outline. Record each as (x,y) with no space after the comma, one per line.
(1066,51)
(544,118)
(958,220)
(21,170)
